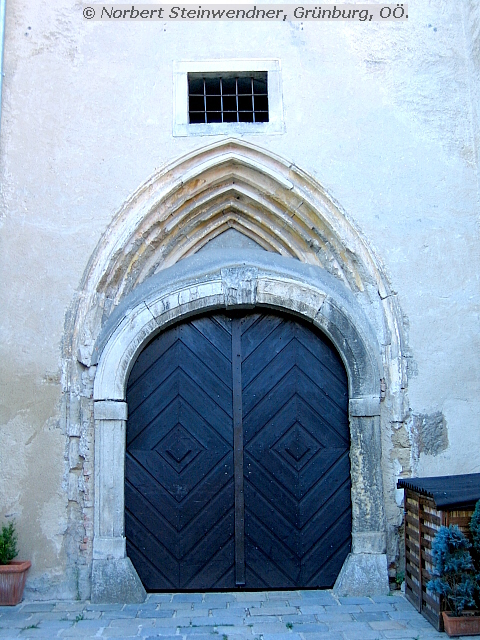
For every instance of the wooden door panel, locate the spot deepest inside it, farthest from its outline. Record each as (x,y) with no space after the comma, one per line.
(180,458)
(260,482)
(210,357)
(326,355)
(208,555)
(271,348)
(270,375)
(180,514)
(294,433)
(255,328)
(271,571)
(148,358)
(147,403)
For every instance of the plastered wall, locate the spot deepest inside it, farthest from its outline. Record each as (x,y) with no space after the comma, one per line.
(384,116)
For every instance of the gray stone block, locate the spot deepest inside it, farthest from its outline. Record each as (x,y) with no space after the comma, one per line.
(160,631)
(370,615)
(8,634)
(308,608)
(222,618)
(159,597)
(282,636)
(116,581)
(206,621)
(272,611)
(352,600)
(114,633)
(197,631)
(155,613)
(310,628)
(185,613)
(187,597)
(133,623)
(218,598)
(325,597)
(324,636)
(334,616)
(375,606)
(363,574)
(257,619)
(282,595)
(34,607)
(299,618)
(269,627)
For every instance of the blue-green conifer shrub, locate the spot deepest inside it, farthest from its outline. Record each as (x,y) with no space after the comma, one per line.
(475,531)
(454,572)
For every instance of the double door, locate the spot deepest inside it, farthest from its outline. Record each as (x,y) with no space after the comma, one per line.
(237,464)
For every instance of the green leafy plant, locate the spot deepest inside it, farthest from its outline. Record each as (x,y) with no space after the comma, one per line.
(475,531)
(8,543)
(454,571)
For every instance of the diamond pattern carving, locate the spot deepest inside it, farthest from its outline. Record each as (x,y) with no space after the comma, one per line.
(179,448)
(297,447)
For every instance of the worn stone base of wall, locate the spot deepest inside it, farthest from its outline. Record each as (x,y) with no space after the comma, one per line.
(116,581)
(363,574)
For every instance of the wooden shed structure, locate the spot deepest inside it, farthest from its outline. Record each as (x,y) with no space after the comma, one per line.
(430,503)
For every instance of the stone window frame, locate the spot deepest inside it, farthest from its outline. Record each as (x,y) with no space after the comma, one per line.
(181,69)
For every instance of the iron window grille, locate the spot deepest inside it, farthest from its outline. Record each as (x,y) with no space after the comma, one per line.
(239,97)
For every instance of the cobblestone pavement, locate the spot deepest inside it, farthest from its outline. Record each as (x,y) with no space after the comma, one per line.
(280,615)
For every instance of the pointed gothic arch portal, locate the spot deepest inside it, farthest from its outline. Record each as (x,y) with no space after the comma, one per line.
(315,266)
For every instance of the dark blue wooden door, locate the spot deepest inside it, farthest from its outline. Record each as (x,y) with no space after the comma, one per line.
(296,455)
(237,468)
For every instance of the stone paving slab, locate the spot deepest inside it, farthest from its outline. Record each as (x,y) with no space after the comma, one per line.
(282,615)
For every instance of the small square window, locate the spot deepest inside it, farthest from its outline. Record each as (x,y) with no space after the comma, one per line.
(227,97)
(241,97)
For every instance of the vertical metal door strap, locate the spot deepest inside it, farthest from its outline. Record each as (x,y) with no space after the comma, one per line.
(238,452)
(205,99)
(253,98)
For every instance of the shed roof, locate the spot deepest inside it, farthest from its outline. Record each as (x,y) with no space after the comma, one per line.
(446,491)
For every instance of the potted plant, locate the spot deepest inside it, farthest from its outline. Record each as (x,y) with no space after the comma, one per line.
(12,573)
(456,579)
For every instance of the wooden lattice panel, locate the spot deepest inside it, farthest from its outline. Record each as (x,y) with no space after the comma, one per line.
(422,521)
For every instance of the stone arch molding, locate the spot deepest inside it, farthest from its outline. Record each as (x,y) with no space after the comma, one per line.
(147,273)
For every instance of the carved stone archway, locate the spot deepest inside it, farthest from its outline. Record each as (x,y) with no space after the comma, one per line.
(148,271)
(244,280)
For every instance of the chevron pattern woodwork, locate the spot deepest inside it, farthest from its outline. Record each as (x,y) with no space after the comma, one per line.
(179,478)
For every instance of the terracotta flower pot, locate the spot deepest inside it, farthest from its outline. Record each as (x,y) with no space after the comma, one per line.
(12,581)
(467,624)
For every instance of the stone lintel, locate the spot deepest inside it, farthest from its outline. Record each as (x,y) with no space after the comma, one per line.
(363,574)
(364,407)
(116,582)
(110,410)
